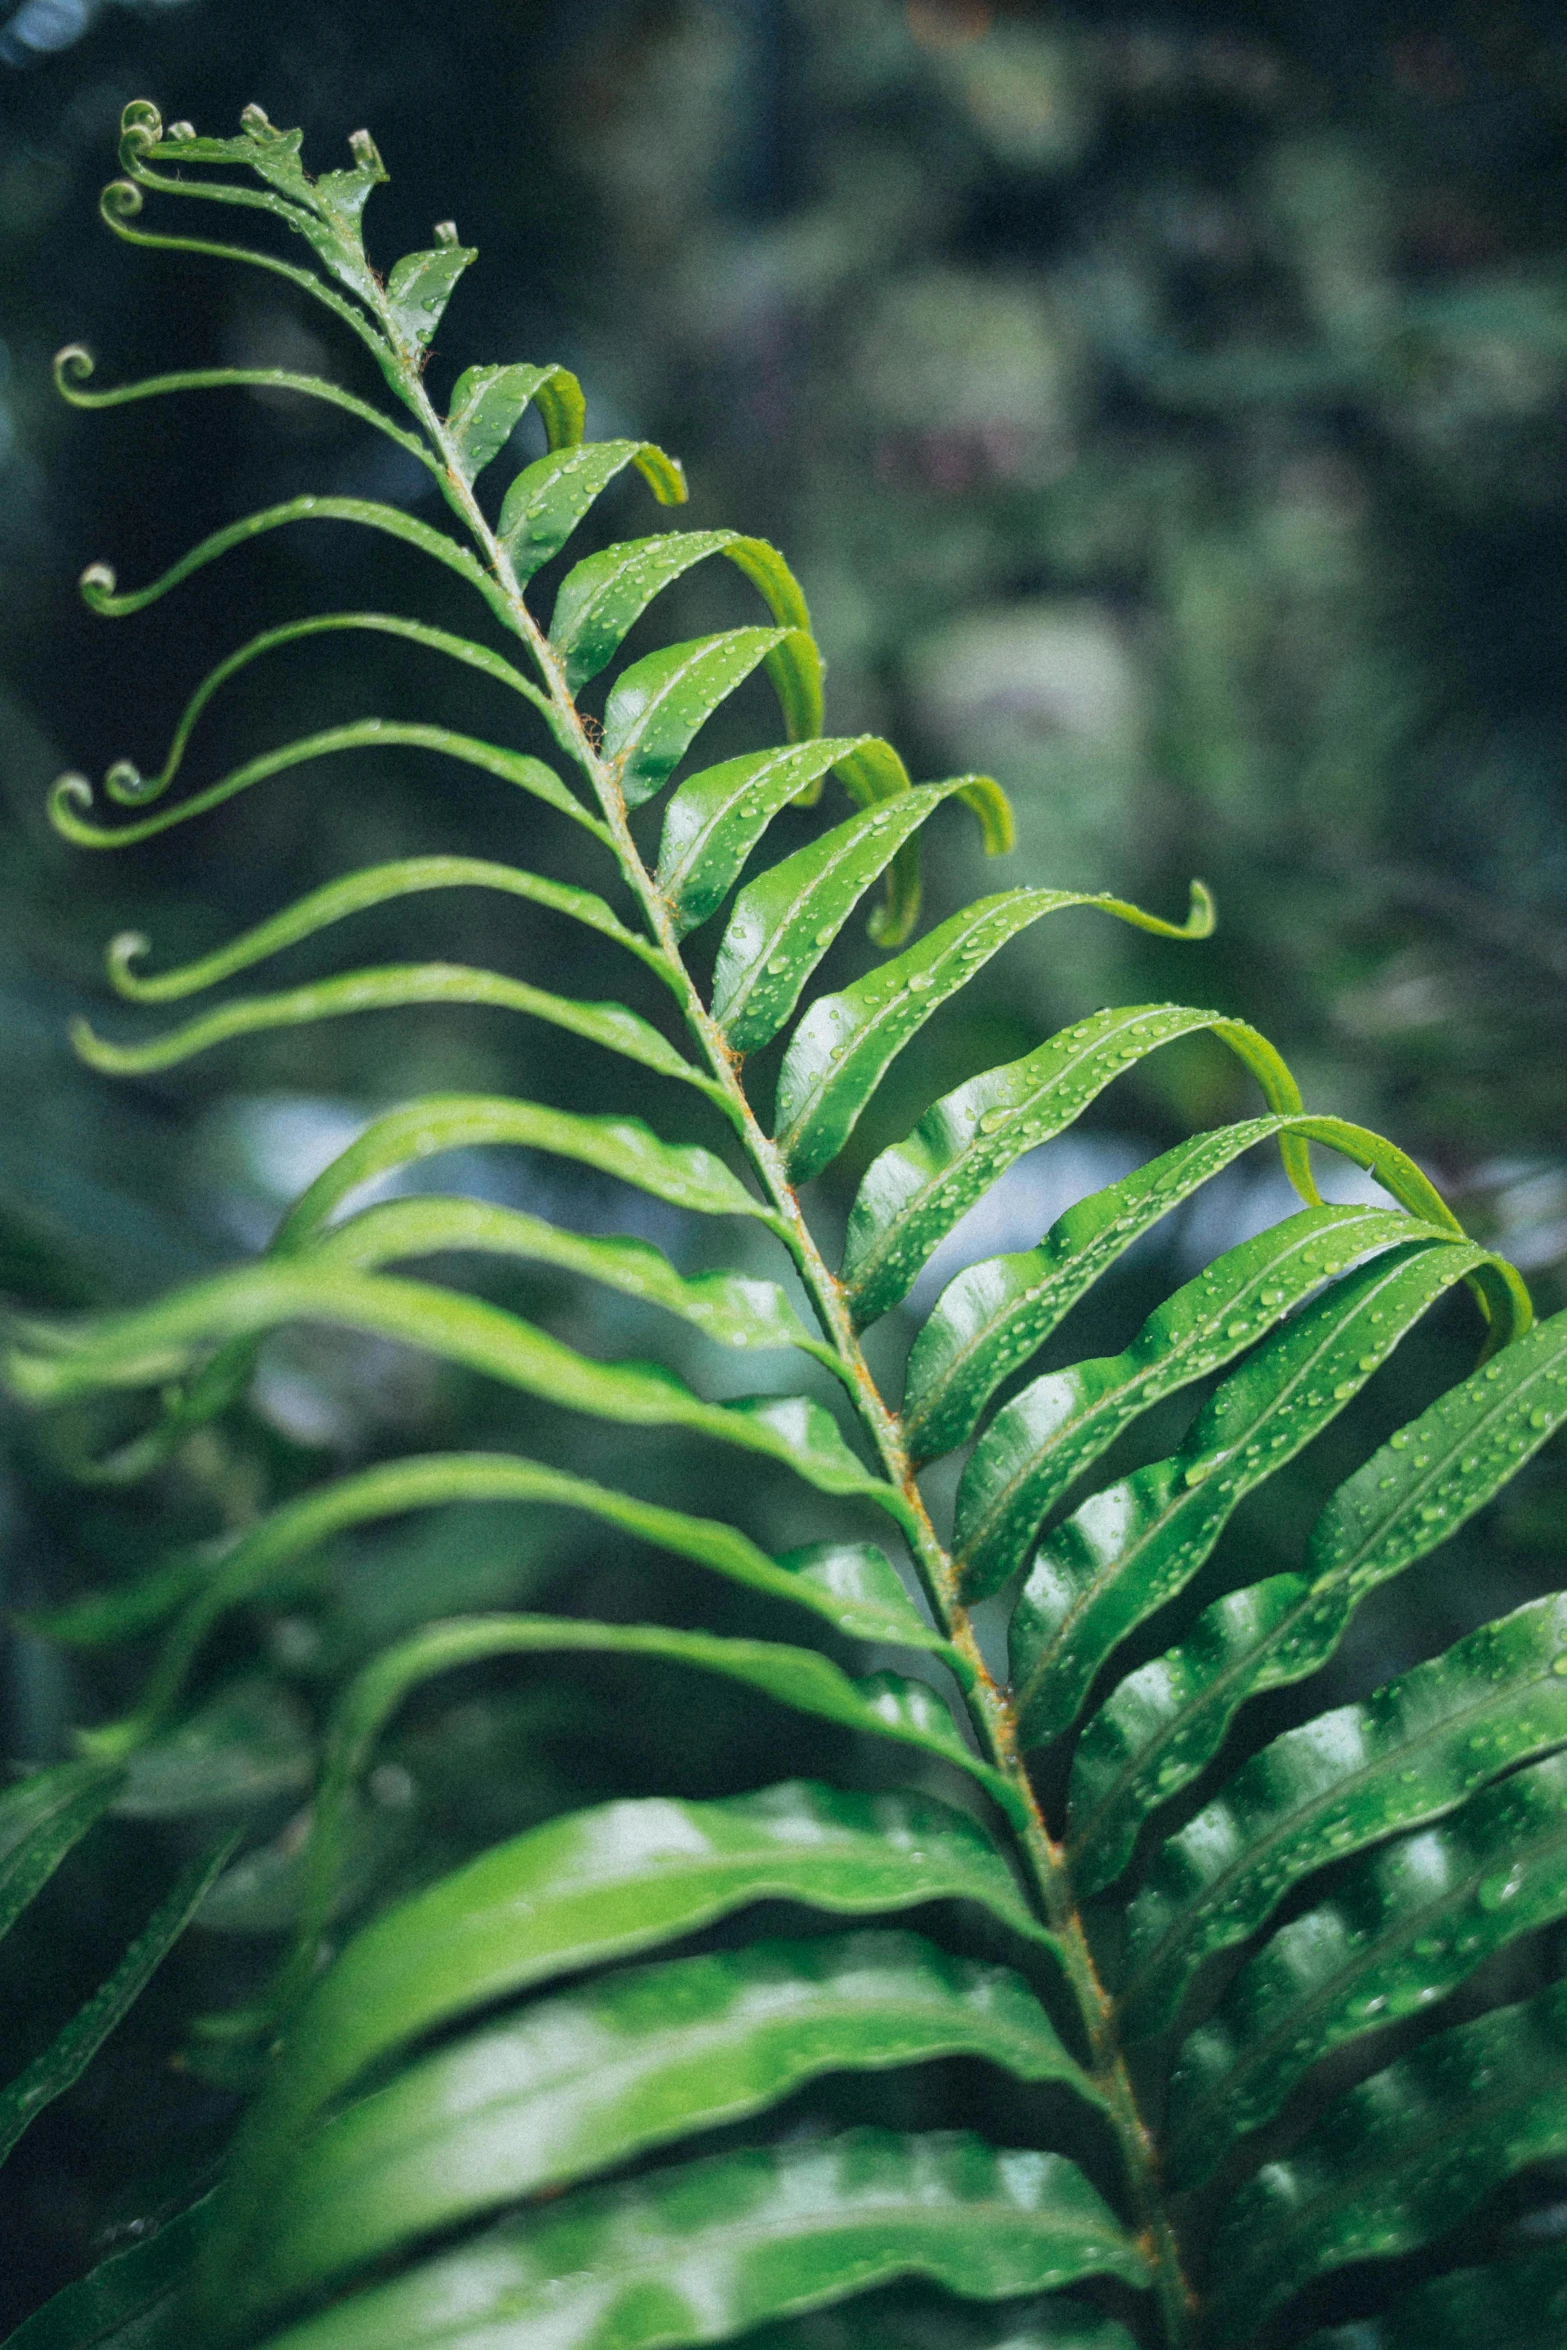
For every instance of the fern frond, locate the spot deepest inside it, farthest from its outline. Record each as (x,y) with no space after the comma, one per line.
(492,2110)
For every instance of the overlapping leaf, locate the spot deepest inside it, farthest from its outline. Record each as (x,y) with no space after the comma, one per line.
(606,1884)
(701,2252)
(991,1317)
(1403,1927)
(1128,1549)
(1517,2304)
(846,1042)
(1398,2160)
(659,705)
(576,2085)
(164,1342)
(1408,1754)
(1154,1733)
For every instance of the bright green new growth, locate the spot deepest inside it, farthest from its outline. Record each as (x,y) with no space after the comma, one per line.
(479,2123)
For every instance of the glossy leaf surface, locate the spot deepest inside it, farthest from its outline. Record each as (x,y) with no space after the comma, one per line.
(73,793)
(1166,1721)
(715,818)
(608,1883)
(1404,1926)
(1127,1550)
(602,598)
(991,1317)
(1398,2160)
(659,705)
(682,1174)
(579,2084)
(489,402)
(1040,1443)
(1407,1754)
(550,497)
(730,1308)
(420,286)
(703,2251)
(785,921)
(41,1820)
(158,1344)
(846,1042)
(393,988)
(915,1192)
(373,885)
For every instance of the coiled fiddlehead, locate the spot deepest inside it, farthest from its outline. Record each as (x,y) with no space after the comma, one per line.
(471,2125)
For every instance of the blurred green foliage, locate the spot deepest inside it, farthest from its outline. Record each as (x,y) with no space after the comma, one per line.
(1164,411)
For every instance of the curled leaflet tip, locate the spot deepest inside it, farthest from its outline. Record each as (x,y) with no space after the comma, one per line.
(126,783)
(1204,912)
(141,124)
(73,360)
(118,956)
(70,790)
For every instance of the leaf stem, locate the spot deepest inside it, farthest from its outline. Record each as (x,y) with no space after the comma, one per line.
(990,1707)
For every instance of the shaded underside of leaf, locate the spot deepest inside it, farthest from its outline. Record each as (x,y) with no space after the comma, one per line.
(1398,2160)
(1517,2304)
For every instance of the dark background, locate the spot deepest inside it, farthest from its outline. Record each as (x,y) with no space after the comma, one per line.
(1163,408)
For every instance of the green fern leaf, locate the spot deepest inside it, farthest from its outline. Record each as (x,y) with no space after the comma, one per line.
(846,1043)
(494,2108)
(1127,1550)
(581,2083)
(1408,1754)
(1166,1721)
(488,403)
(703,2251)
(1399,2159)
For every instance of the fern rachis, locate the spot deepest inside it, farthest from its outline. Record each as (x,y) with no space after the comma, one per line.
(408,2106)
